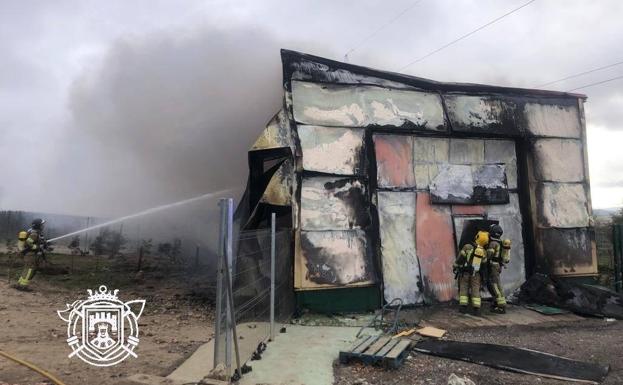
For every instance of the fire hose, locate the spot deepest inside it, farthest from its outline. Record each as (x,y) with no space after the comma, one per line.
(30,366)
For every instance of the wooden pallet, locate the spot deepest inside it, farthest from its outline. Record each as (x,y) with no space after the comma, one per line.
(377,349)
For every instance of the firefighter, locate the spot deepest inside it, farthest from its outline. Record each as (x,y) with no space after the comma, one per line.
(31,244)
(467,272)
(498,255)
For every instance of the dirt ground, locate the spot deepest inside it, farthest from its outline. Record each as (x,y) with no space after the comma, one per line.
(178,317)
(593,340)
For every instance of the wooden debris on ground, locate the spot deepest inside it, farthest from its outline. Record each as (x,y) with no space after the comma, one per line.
(429,331)
(383,350)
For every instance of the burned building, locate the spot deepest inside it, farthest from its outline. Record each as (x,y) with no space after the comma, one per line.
(376,173)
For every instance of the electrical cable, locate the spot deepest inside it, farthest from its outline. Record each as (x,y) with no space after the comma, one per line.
(466,35)
(32,367)
(596,83)
(367,38)
(580,74)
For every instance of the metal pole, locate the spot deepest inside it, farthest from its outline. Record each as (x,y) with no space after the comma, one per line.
(230,298)
(219,282)
(272,276)
(228,267)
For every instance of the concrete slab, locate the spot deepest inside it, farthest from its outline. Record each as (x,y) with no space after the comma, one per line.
(199,364)
(303,355)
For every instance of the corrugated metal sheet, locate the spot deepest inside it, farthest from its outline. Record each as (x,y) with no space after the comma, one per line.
(279,189)
(331,203)
(276,134)
(334,259)
(394,161)
(333,150)
(559,160)
(562,205)
(553,120)
(435,248)
(475,184)
(361,106)
(401,272)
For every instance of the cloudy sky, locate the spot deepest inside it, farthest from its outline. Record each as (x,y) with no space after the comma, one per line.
(108,107)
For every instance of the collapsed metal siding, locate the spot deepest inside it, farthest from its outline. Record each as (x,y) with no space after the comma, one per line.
(344,122)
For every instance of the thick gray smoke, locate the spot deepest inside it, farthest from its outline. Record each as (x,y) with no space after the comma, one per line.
(169,116)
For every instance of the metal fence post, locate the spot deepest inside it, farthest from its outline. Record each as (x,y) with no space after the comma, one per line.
(272,275)
(228,265)
(219,283)
(617,243)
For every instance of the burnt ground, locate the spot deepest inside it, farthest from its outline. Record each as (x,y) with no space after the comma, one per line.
(178,318)
(593,340)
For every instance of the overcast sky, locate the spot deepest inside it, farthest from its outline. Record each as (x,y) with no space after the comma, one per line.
(108,107)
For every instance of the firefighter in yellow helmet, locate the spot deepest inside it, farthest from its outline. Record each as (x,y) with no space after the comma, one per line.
(31,244)
(467,271)
(498,255)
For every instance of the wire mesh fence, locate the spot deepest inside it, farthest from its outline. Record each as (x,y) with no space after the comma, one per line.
(260,267)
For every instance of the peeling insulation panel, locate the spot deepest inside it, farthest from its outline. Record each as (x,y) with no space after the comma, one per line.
(394,161)
(562,205)
(553,120)
(333,150)
(333,259)
(330,203)
(362,106)
(435,248)
(559,160)
(401,272)
(467,184)
(279,189)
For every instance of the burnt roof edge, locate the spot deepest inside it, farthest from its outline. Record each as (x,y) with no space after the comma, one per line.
(289,56)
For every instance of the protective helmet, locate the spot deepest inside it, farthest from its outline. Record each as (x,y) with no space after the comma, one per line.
(496,231)
(37,223)
(482,238)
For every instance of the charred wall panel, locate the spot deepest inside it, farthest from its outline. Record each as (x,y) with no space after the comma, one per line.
(428,155)
(279,189)
(333,259)
(509,217)
(332,150)
(568,251)
(401,271)
(333,203)
(559,160)
(277,134)
(562,205)
(394,161)
(553,120)
(483,114)
(435,248)
(362,106)
(503,152)
(465,184)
